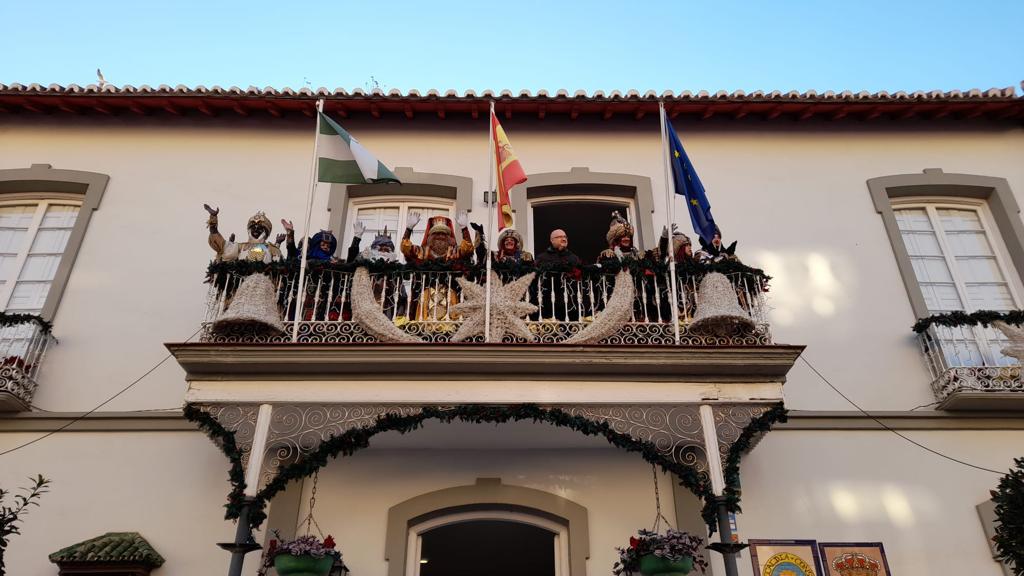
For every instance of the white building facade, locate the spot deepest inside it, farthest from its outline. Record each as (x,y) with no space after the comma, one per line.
(868,212)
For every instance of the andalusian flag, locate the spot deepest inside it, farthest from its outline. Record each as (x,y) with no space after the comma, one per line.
(510,172)
(343,159)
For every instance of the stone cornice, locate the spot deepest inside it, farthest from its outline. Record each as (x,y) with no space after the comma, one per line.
(798,420)
(447,362)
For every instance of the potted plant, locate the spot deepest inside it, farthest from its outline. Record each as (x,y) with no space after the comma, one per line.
(673,553)
(304,556)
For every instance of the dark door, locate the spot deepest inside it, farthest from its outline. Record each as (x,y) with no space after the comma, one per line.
(488,548)
(585,223)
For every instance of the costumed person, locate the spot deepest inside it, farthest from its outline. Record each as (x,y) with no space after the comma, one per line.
(715,252)
(322,245)
(256,249)
(510,248)
(435,292)
(381,249)
(683,254)
(253,305)
(439,240)
(620,241)
(681,246)
(479,243)
(388,287)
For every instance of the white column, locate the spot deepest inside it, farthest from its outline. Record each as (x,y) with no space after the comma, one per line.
(707,421)
(259,448)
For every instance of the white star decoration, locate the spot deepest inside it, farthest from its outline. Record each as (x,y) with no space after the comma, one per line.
(507,309)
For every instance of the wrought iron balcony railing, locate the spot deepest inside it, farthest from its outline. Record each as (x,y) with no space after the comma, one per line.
(967,361)
(23,342)
(420,302)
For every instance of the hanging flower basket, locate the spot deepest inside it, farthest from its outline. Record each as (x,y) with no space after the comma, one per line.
(651,565)
(673,553)
(304,556)
(305,565)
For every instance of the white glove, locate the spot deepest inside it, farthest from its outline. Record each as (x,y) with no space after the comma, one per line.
(462,219)
(358,228)
(412,220)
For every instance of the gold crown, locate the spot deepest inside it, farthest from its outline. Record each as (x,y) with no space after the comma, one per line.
(262,219)
(855,564)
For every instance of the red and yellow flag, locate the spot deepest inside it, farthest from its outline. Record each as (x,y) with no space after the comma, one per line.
(509,170)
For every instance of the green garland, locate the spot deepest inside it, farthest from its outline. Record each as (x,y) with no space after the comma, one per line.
(958,318)
(8,319)
(1009,500)
(741,446)
(355,439)
(217,270)
(225,440)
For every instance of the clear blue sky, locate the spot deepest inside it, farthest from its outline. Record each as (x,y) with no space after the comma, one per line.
(524,44)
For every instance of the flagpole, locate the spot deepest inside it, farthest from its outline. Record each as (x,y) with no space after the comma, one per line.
(300,296)
(670,195)
(492,199)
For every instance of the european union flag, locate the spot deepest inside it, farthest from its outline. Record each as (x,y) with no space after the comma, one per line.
(689,186)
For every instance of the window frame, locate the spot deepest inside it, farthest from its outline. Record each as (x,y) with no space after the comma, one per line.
(560,532)
(41,206)
(931,205)
(631,211)
(42,181)
(934,183)
(403,203)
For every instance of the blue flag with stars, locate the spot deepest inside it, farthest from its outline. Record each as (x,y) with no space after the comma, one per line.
(688,185)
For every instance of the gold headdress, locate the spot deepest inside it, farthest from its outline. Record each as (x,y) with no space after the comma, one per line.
(260,218)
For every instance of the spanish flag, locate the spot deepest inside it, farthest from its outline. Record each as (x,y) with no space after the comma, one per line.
(509,171)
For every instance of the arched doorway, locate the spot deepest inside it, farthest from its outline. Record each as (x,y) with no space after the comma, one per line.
(489,508)
(496,542)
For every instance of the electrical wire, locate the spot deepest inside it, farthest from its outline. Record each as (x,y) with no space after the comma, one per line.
(100,405)
(896,432)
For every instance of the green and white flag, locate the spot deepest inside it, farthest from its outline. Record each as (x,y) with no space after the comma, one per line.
(343,160)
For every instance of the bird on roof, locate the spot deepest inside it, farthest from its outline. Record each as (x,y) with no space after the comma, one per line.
(103,81)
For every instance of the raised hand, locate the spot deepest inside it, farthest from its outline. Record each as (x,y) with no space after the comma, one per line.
(412,220)
(288,225)
(358,228)
(212,211)
(462,218)
(232,237)
(664,231)
(281,238)
(478,227)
